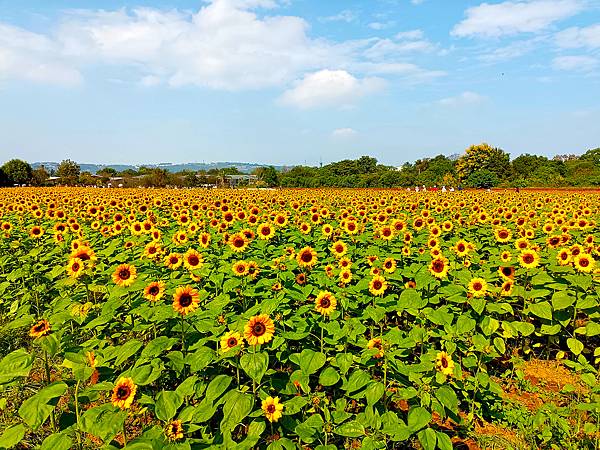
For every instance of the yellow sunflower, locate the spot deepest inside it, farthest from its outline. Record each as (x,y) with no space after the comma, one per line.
(259,330)
(154,291)
(124,275)
(272,408)
(186,300)
(377,285)
(231,340)
(325,303)
(444,363)
(123,393)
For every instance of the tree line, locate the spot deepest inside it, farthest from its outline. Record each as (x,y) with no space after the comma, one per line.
(480,166)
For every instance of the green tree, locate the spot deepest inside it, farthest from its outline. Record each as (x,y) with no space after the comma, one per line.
(483,157)
(17,171)
(68,171)
(524,165)
(39,176)
(483,178)
(107,172)
(269,176)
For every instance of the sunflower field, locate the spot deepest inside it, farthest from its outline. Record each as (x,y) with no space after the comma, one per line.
(298,319)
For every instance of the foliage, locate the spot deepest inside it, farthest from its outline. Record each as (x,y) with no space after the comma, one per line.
(17,171)
(412,354)
(483,157)
(483,179)
(68,171)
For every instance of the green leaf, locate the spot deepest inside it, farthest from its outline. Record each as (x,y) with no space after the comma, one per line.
(443,441)
(350,429)
(411,299)
(166,405)
(12,436)
(103,421)
(311,361)
(255,365)
(127,350)
(465,324)
(329,376)
(36,409)
(427,438)
(542,309)
(418,417)
(200,358)
(217,386)
(344,362)
(236,407)
(15,364)
(562,300)
(448,398)
(295,405)
(575,345)
(58,441)
(374,392)
(357,380)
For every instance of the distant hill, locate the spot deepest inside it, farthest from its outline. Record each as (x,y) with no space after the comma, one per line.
(194,167)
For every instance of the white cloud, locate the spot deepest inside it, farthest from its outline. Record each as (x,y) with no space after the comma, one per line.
(327,88)
(576,37)
(513,50)
(381,25)
(466,98)
(343,133)
(343,16)
(224,45)
(33,57)
(513,17)
(575,63)
(410,35)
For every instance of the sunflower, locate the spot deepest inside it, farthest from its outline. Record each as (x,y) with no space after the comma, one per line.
(564,257)
(174,430)
(123,393)
(439,267)
(506,272)
(339,249)
(238,242)
(231,340)
(192,259)
(529,259)
(272,408)
(345,276)
(204,240)
(386,233)
(42,328)
(153,250)
(173,261)
(502,235)
(584,263)
(389,265)
(265,231)
(240,268)
(377,285)
(259,330)
(253,269)
(376,343)
(505,256)
(186,300)
(461,248)
(327,230)
(307,257)
(478,287)
(124,275)
(154,291)
(325,303)
(75,267)
(444,363)
(36,232)
(507,287)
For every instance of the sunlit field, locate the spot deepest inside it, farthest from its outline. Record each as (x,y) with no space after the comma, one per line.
(285,319)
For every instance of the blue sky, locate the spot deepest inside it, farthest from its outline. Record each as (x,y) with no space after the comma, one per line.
(296,81)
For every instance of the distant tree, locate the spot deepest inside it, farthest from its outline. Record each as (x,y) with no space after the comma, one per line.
(86,179)
(483,178)
(107,172)
(39,176)
(483,157)
(4,181)
(391,178)
(68,171)
(128,173)
(366,164)
(592,155)
(269,176)
(230,171)
(156,177)
(524,165)
(17,171)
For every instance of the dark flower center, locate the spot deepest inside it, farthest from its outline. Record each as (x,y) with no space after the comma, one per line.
(185,300)
(154,290)
(193,260)
(123,392)
(325,303)
(271,409)
(232,342)
(258,329)
(124,274)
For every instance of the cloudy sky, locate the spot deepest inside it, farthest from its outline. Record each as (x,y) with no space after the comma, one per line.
(295,81)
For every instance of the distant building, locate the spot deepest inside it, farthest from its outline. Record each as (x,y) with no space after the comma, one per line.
(239,180)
